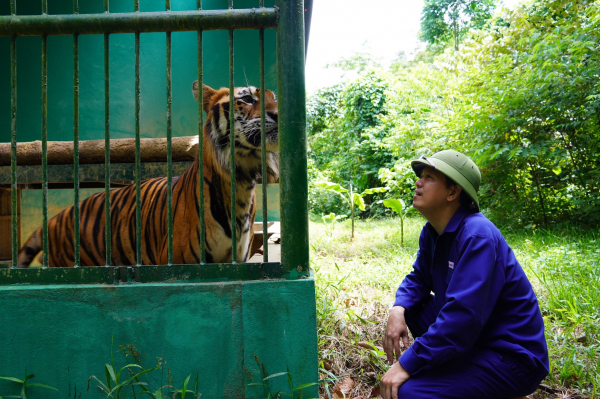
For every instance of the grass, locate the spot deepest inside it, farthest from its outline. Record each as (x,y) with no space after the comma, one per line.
(357,279)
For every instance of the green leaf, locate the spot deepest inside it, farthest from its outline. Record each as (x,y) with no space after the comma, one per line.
(375,190)
(359,201)
(334,187)
(310,384)
(110,375)
(37,384)
(397,205)
(275,375)
(12,379)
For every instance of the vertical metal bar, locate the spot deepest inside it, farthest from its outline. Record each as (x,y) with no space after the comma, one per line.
(202,232)
(232,148)
(13,143)
(292,137)
(76,234)
(44,146)
(138,202)
(168,5)
(230,3)
(263,141)
(107,215)
(169,155)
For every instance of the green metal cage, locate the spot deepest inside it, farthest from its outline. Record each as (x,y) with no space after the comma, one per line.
(286,17)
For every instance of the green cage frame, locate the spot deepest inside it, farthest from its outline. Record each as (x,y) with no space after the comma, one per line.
(287,17)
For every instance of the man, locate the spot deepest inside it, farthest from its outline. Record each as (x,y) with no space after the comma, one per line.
(481,335)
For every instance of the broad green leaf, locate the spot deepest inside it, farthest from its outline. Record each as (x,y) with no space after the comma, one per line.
(359,201)
(397,205)
(375,190)
(335,187)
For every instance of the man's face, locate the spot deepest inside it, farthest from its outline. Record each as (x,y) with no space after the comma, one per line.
(431,192)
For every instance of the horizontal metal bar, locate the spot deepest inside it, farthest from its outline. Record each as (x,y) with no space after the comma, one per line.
(35,25)
(58,275)
(209,272)
(142,274)
(32,174)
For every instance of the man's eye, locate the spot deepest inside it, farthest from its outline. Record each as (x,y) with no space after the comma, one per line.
(248,99)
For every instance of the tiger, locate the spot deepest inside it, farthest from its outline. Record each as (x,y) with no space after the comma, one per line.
(186,221)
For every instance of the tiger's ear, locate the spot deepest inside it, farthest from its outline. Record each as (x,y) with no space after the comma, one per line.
(207,94)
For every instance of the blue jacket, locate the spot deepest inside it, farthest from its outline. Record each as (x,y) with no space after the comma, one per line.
(481,295)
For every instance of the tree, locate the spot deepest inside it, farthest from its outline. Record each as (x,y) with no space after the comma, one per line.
(443,20)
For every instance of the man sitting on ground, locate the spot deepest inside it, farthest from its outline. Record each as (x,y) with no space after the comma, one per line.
(481,335)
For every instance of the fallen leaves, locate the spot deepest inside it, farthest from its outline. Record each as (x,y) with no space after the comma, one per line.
(342,388)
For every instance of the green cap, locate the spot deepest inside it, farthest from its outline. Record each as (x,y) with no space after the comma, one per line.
(455,165)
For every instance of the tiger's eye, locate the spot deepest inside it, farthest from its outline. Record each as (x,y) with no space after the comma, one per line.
(248,99)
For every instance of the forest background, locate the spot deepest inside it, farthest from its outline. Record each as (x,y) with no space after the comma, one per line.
(519,92)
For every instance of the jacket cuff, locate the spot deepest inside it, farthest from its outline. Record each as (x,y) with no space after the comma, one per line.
(402,301)
(411,361)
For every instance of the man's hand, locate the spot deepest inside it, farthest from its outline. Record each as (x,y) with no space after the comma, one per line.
(396,329)
(392,380)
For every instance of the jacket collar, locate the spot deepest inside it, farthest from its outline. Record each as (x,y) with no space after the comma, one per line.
(460,215)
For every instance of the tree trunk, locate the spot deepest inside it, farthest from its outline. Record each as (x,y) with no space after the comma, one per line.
(534,174)
(92,151)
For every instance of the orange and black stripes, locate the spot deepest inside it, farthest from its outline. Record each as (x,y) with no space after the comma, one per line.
(186,231)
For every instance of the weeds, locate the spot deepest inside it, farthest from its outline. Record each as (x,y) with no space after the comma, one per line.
(269,392)
(24,384)
(356,283)
(115,382)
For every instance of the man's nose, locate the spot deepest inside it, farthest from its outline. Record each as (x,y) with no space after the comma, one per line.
(419,183)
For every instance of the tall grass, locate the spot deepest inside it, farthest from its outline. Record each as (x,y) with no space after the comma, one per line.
(356,281)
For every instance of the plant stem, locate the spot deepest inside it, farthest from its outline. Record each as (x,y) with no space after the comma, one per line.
(352,209)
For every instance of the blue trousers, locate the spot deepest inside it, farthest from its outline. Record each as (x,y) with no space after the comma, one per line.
(480,373)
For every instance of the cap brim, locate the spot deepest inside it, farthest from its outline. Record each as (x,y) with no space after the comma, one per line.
(419,164)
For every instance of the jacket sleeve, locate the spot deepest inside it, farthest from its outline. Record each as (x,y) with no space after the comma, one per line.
(417,285)
(472,293)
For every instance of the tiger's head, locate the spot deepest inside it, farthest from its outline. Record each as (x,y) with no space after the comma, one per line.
(247,116)
(246,112)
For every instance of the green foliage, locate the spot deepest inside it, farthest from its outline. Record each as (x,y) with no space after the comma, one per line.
(529,102)
(344,130)
(356,281)
(23,385)
(184,391)
(265,383)
(350,197)
(398,206)
(330,220)
(129,376)
(446,20)
(522,99)
(345,135)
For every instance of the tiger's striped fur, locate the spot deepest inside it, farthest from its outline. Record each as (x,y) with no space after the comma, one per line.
(186,226)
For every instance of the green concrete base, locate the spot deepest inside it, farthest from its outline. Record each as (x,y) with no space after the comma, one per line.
(63,335)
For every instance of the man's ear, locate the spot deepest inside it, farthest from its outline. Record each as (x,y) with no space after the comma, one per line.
(454,193)
(207,93)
